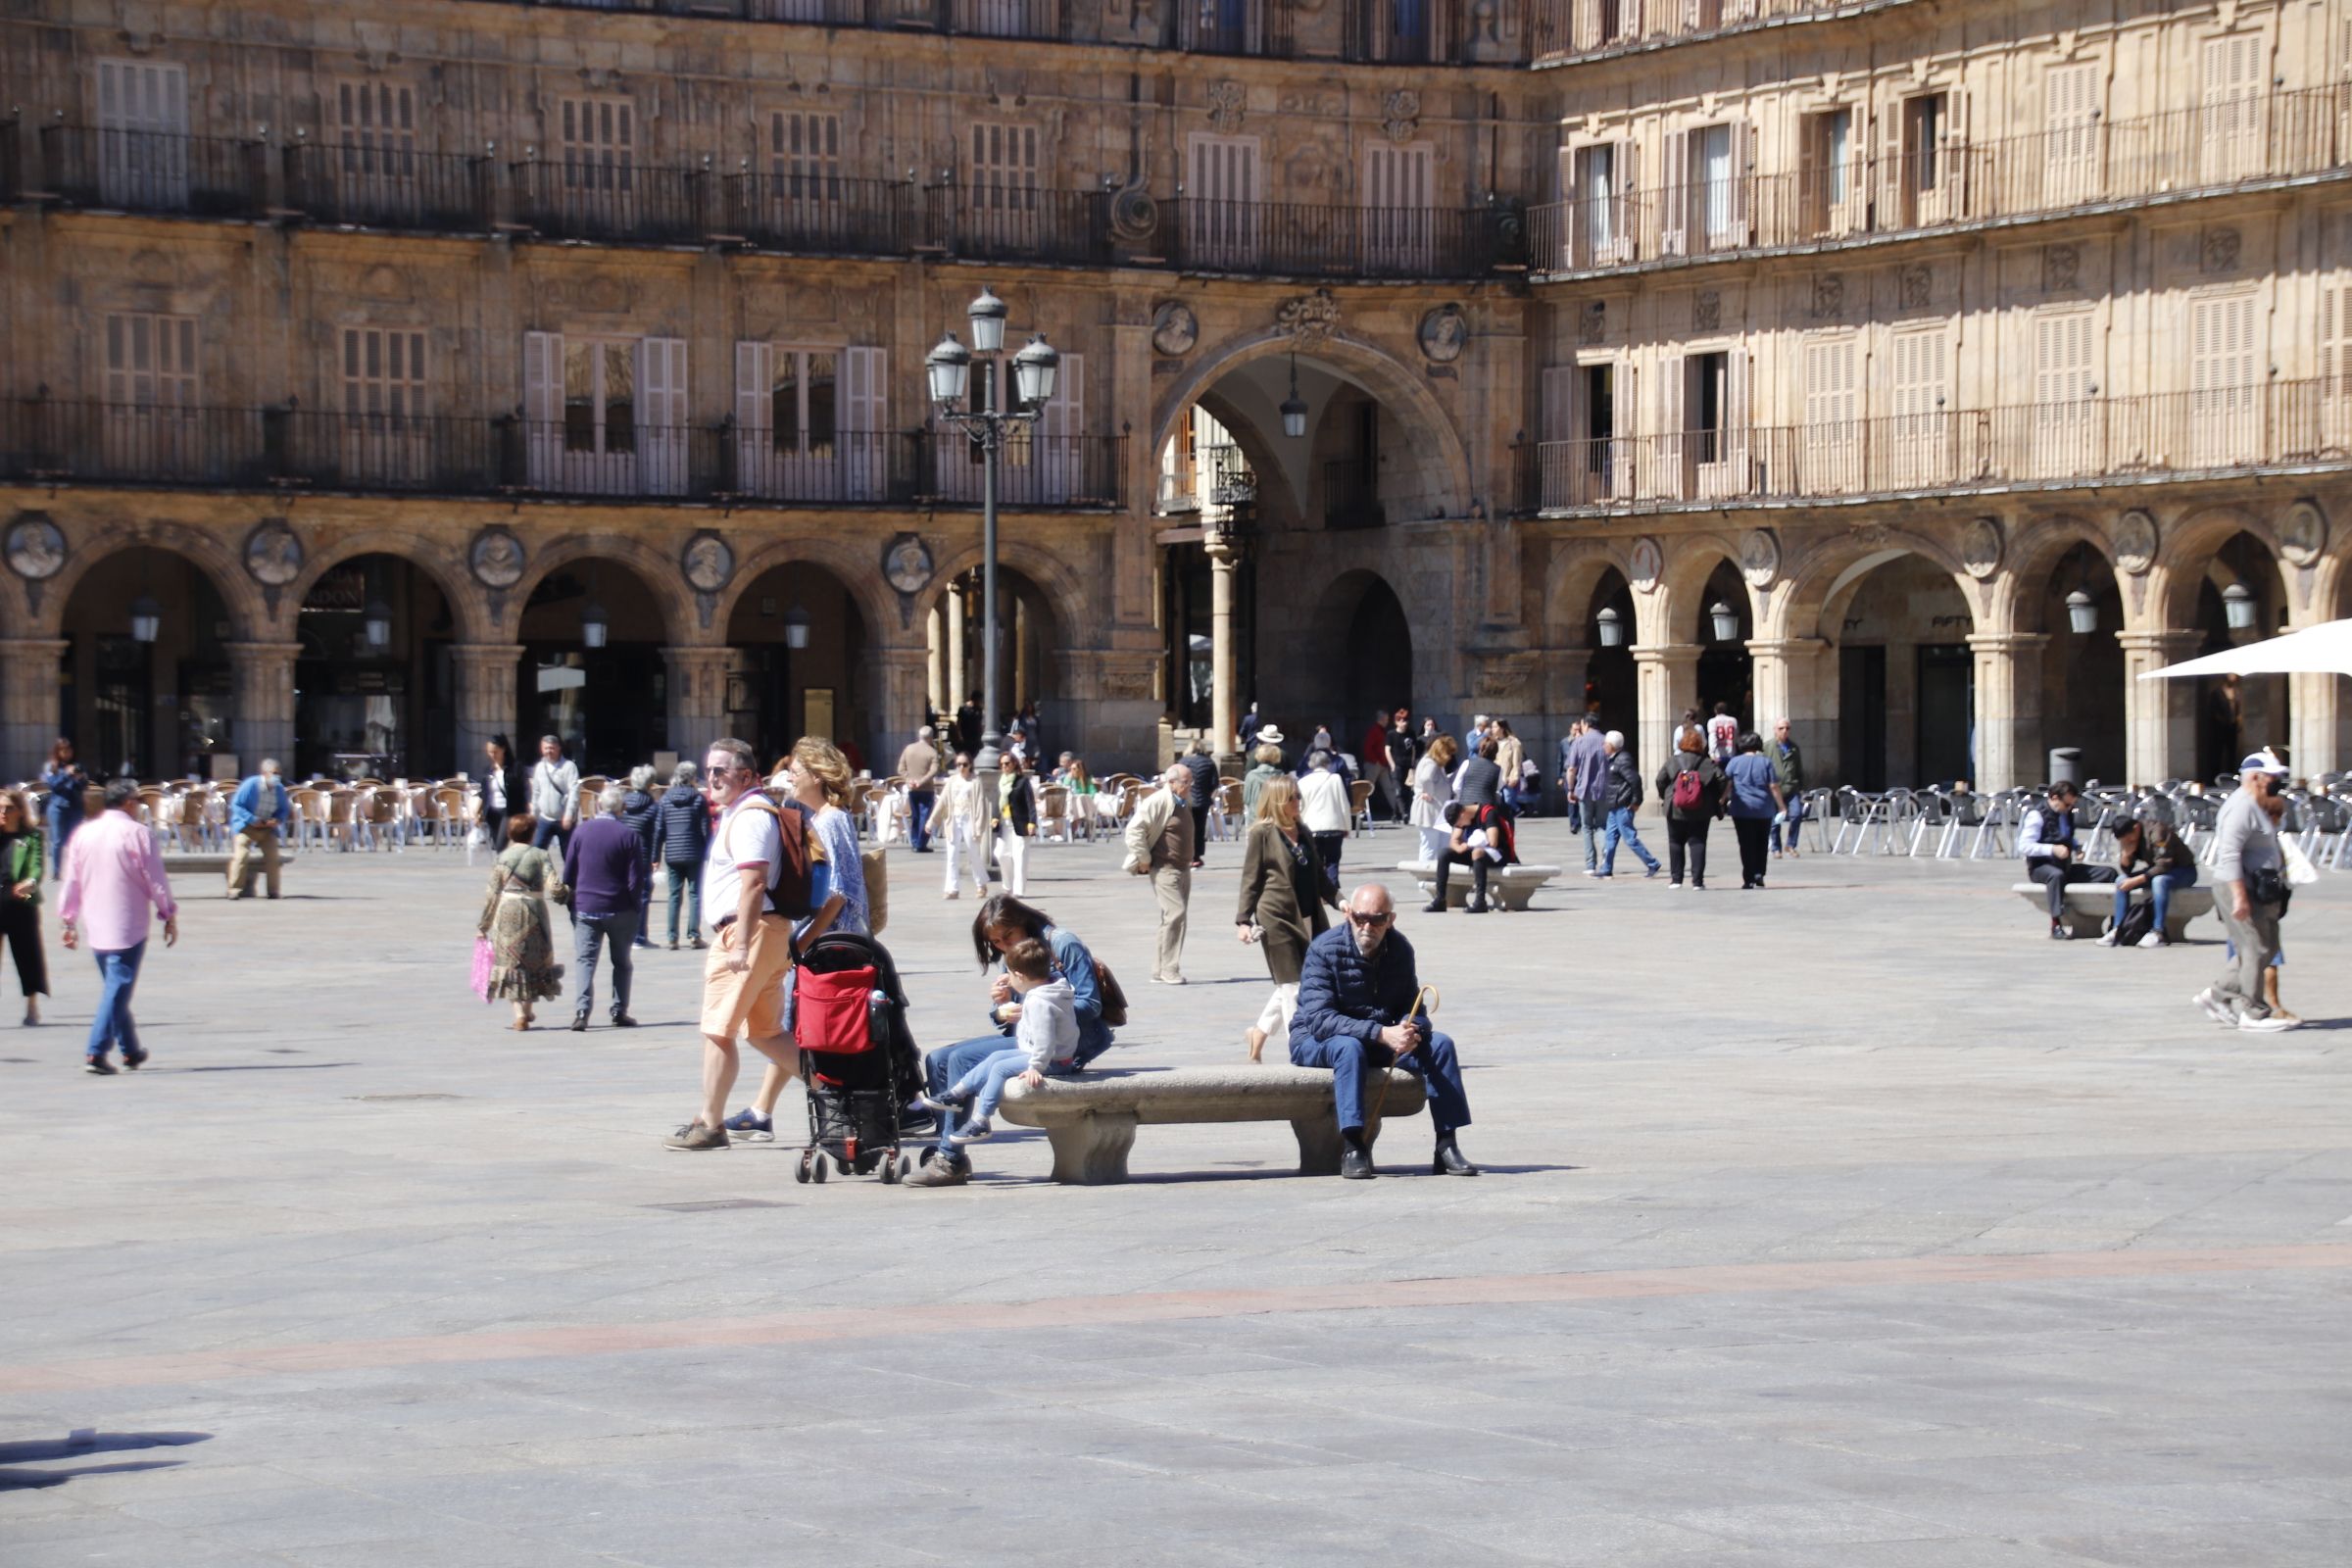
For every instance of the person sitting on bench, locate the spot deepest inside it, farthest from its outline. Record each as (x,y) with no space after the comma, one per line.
(2045,839)
(1478,837)
(1358,1007)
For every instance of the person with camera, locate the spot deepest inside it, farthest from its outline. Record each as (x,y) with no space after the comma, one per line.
(2249,876)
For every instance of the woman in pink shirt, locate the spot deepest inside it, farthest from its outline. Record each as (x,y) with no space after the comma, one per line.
(114,885)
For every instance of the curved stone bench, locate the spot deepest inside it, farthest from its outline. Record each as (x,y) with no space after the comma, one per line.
(1510,886)
(198,864)
(1091,1120)
(2090,903)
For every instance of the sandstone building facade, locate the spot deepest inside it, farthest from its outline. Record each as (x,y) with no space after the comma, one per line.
(452,367)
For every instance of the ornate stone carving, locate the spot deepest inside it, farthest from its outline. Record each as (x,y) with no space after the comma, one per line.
(1828,296)
(1914,286)
(495,559)
(1443,332)
(1401,114)
(37,547)
(1308,318)
(2061,268)
(1646,565)
(1122,682)
(1980,548)
(708,562)
(2303,533)
(1134,215)
(1507,679)
(1706,311)
(2217,249)
(272,553)
(2135,542)
(907,563)
(1592,324)
(1174,328)
(1760,557)
(1228,106)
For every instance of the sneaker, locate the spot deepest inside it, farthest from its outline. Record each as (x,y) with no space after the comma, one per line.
(697,944)
(1653,870)
(134,1059)
(751,1125)
(939,1172)
(579,1023)
(673,944)
(2060,931)
(2154,939)
(1434,906)
(2270,1023)
(695,1138)
(2108,940)
(621,1021)
(2214,1008)
(978,1131)
(942,1105)
(98,1065)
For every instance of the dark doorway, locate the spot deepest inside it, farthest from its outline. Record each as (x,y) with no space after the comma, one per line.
(1947,713)
(1726,671)
(1862,716)
(374,685)
(1190,610)
(1610,677)
(1380,659)
(592,671)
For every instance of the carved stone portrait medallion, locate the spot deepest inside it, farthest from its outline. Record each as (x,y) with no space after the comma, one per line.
(1980,548)
(2135,542)
(708,562)
(1174,328)
(272,554)
(37,547)
(495,559)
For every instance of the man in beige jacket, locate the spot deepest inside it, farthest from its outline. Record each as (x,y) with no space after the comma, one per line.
(1159,845)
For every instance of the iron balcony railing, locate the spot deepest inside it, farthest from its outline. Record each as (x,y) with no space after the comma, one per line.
(389,187)
(148,172)
(819,214)
(1002,222)
(588,198)
(1564,28)
(1040,20)
(2097,163)
(52,442)
(1204,236)
(2270,425)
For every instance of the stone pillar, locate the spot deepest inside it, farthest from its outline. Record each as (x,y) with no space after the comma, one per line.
(485,679)
(2160,716)
(935,634)
(958,656)
(28,701)
(1790,683)
(901,696)
(2315,708)
(698,698)
(1222,558)
(261,676)
(1016,627)
(1667,682)
(2008,680)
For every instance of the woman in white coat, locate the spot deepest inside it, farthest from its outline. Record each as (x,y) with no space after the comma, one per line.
(961,818)
(1432,792)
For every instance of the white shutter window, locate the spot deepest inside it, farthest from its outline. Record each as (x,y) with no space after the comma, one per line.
(1674,195)
(2070,124)
(1559,450)
(383,402)
(1671,476)
(142,135)
(2063,418)
(1395,198)
(1917,442)
(755,420)
(2336,366)
(662,415)
(1003,201)
(2229,107)
(543,408)
(1221,201)
(1832,446)
(1062,433)
(596,144)
(805,153)
(2225,384)
(151,390)
(1729,476)
(865,423)
(374,156)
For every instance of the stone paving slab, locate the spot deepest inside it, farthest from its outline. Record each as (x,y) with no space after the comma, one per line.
(1844,1223)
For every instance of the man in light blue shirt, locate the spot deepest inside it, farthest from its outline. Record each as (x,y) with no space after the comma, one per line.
(256,813)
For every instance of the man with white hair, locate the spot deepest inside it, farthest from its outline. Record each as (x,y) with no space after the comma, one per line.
(1159,845)
(2249,893)
(256,813)
(605,867)
(918,771)
(1624,796)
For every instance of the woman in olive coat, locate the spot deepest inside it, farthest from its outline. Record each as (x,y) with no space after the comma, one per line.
(1283,898)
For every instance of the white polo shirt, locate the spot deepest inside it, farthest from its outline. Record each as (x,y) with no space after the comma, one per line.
(747,836)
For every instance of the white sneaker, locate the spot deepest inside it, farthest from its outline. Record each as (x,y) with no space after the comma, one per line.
(2108,940)
(2267,1024)
(2154,939)
(2214,1008)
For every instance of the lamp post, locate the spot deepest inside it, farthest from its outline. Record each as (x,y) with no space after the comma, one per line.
(949,367)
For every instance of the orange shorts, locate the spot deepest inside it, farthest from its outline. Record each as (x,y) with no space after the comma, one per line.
(751,1001)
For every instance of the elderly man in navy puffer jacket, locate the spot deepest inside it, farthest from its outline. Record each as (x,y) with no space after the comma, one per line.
(1357,994)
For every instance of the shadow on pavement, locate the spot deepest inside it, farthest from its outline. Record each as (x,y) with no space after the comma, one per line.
(82,1444)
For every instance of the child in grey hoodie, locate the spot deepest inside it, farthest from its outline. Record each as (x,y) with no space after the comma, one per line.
(1045,1041)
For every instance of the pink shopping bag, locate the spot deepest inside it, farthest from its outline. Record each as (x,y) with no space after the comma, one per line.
(484,960)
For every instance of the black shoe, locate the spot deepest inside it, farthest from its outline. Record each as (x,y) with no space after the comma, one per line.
(1356,1165)
(1447,1160)
(134,1059)
(1476,907)
(1434,906)
(579,1023)
(2060,931)
(621,1021)
(99,1065)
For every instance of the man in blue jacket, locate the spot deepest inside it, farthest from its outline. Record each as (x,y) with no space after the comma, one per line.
(1356,996)
(256,813)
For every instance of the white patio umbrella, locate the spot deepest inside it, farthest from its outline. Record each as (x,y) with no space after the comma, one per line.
(2324,649)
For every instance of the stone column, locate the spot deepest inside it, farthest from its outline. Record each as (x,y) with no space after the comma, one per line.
(698,698)
(958,655)
(485,678)
(261,676)
(2315,711)
(2160,716)
(28,701)
(900,695)
(935,632)
(1222,558)
(2008,748)
(1791,684)
(1667,682)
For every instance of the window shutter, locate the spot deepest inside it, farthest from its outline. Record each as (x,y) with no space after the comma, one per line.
(1571,218)
(543,406)
(2069,97)
(1221,211)
(1062,428)
(1892,212)
(1624,425)
(2231,97)
(2336,366)
(1675,191)
(1673,474)
(1743,173)
(1735,418)
(1556,419)
(143,133)
(2062,417)
(754,418)
(1953,157)
(1627,199)
(1558,456)
(2223,383)
(865,423)
(661,413)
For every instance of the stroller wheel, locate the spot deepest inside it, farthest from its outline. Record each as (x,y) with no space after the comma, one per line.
(819,1169)
(904,1167)
(841,1166)
(890,1173)
(800,1172)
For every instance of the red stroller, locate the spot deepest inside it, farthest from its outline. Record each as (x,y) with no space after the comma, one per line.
(850,1016)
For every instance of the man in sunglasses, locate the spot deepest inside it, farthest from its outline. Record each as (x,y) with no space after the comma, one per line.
(1357,994)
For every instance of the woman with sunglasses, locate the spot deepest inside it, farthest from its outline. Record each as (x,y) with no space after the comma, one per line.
(959,819)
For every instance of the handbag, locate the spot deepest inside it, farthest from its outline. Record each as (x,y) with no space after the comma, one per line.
(1114,998)
(485,960)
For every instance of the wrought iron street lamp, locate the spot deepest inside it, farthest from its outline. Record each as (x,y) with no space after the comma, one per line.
(1612,627)
(594,627)
(146,619)
(376,619)
(2238,602)
(796,628)
(1294,406)
(2082,614)
(949,367)
(1727,623)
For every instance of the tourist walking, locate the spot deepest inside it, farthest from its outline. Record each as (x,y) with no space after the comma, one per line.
(1015,823)
(641,809)
(258,813)
(1723,736)
(1403,752)
(1510,759)
(554,793)
(1587,776)
(2249,893)
(113,887)
(681,840)
(1789,771)
(2046,841)
(918,772)
(21,858)
(1327,808)
(1200,789)
(69,799)
(523,945)
(1159,845)
(1690,789)
(1432,792)
(502,793)
(1753,795)
(604,868)
(1624,797)
(960,817)
(1285,889)
(1376,768)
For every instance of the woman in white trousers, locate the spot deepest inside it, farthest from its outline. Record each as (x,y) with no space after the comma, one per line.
(1016,824)
(959,821)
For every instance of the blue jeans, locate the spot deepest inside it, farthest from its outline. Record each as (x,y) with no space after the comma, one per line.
(986,1082)
(1794,818)
(1621,828)
(1591,824)
(944,1069)
(2160,893)
(588,935)
(918,821)
(1448,1106)
(545,832)
(117,974)
(686,883)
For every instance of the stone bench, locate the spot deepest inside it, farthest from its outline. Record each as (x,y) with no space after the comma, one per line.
(1510,886)
(198,866)
(1091,1120)
(2090,903)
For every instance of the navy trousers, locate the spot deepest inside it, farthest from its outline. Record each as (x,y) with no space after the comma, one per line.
(1448,1106)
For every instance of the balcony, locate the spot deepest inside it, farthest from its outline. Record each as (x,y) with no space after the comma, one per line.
(1561,31)
(2097,165)
(1342,242)
(2268,425)
(1351,495)
(991,223)
(49,442)
(146,171)
(385,187)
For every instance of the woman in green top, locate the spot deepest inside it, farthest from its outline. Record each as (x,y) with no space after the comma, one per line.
(21,910)
(1269,767)
(522,947)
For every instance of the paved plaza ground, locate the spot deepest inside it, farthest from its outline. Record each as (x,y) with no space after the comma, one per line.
(1848,1223)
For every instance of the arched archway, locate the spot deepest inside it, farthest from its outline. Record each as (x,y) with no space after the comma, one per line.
(593,673)
(1362,659)
(801,663)
(2241,578)
(146,688)
(1720,621)
(1030,654)
(374,688)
